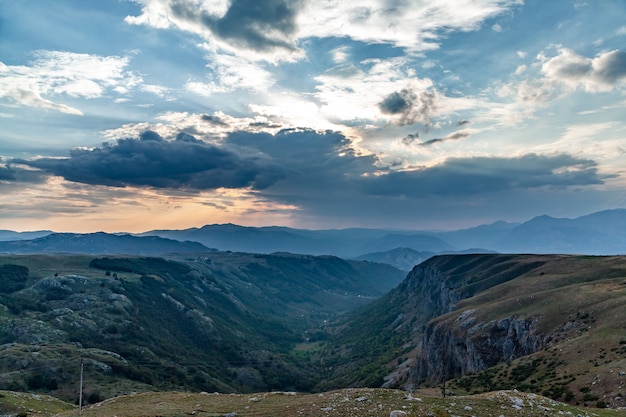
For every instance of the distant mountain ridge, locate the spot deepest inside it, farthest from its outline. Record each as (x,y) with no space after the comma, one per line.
(9,235)
(345,243)
(600,233)
(100,243)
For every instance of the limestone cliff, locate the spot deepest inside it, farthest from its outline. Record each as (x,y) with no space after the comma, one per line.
(467,346)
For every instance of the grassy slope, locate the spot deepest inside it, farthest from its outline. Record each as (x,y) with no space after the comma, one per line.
(341,403)
(580,303)
(14,403)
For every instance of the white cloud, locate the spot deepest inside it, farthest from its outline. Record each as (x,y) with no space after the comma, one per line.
(519,70)
(157,90)
(208,127)
(497,28)
(550,78)
(274,36)
(340,54)
(230,73)
(57,73)
(355,94)
(411,25)
(603,73)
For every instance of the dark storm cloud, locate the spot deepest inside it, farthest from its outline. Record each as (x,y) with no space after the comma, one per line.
(214,120)
(466,176)
(410,139)
(269,125)
(454,136)
(6,174)
(398,102)
(256,25)
(411,106)
(306,153)
(16,175)
(321,167)
(305,161)
(185,162)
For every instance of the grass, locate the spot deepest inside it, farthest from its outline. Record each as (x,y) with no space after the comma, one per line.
(48,265)
(20,403)
(339,403)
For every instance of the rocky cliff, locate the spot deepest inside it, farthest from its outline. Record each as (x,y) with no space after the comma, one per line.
(550,324)
(462,345)
(451,351)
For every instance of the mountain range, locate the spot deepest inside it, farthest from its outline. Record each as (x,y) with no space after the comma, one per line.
(600,233)
(100,243)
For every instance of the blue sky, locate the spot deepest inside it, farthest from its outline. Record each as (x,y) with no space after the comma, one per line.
(123,115)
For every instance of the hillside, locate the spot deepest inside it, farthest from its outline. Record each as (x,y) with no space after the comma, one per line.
(402,258)
(218,322)
(100,243)
(545,324)
(234,322)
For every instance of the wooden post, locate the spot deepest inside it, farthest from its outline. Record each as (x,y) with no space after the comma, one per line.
(80,390)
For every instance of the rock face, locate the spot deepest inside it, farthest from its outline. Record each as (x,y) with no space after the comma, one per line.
(449,351)
(458,343)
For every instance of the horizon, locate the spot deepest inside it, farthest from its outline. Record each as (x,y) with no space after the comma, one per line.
(309,229)
(138,115)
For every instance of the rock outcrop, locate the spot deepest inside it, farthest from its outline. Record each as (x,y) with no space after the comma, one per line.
(468,346)
(449,344)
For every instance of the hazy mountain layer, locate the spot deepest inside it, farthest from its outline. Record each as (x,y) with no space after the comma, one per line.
(100,243)
(600,233)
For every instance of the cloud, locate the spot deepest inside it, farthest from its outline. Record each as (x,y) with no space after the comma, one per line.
(255,25)
(58,73)
(214,120)
(257,30)
(410,25)
(229,73)
(479,175)
(461,134)
(411,106)
(272,30)
(150,160)
(603,73)
(410,139)
(6,174)
(355,91)
(550,78)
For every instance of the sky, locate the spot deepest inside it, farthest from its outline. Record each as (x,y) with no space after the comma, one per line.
(135,115)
